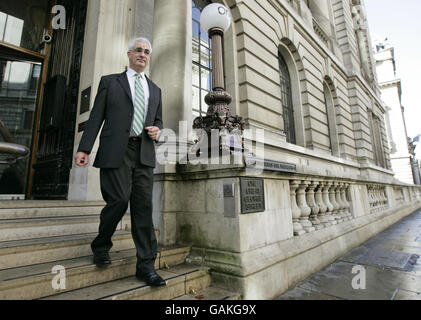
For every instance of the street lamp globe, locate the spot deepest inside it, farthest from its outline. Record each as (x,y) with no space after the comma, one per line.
(215,16)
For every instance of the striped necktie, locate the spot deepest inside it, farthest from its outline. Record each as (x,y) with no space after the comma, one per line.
(139,106)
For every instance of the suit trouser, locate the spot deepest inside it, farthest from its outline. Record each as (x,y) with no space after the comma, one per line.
(131,182)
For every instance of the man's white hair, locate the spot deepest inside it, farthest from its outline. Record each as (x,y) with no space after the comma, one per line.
(139,39)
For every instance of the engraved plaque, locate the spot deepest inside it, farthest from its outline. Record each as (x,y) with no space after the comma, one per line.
(252,195)
(270,165)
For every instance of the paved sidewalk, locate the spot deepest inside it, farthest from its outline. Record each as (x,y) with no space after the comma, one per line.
(387,265)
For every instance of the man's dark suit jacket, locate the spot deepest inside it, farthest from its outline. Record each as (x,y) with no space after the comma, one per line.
(114,105)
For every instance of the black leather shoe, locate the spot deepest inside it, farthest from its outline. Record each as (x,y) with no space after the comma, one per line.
(151,279)
(102,259)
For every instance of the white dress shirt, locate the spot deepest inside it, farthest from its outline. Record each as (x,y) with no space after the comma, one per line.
(131,77)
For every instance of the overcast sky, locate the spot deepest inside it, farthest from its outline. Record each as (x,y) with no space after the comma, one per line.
(400,22)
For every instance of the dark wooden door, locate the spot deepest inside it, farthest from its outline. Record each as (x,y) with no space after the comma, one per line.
(54,154)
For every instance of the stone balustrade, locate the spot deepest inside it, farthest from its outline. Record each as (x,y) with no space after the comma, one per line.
(304,208)
(378,200)
(416,193)
(399,195)
(295,210)
(321,203)
(317,204)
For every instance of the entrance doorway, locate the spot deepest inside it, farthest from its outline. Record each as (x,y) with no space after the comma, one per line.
(39,83)
(22,57)
(19,84)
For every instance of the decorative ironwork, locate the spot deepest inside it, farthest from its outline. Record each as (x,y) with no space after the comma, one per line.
(56,138)
(219,115)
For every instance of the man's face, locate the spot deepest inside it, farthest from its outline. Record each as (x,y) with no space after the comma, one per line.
(139,56)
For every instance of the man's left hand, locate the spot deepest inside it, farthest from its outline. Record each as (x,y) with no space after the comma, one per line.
(153,132)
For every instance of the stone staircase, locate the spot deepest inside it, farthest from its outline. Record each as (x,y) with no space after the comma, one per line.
(36,237)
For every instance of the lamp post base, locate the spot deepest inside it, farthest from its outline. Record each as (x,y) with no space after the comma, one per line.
(220,129)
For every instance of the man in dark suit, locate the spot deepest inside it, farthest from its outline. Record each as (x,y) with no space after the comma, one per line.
(129,106)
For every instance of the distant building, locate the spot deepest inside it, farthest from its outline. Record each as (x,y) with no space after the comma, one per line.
(391,92)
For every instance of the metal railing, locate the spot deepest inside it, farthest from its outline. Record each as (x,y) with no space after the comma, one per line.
(9,148)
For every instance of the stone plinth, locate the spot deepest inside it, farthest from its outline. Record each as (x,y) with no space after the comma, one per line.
(260,254)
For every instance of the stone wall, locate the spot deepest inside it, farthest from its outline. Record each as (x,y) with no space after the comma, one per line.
(308,222)
(343,191)
(336,133)
(338,198)
(265,29)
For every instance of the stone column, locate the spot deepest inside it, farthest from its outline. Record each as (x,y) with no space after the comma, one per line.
(341,205)
(374,200)
(384,195)
(313,205)
(171,69)
(323,217)
(296,212)
(329,205)
(378,202)
(373,197)
(338,198)
(382,198)
(305,209)
(370,197)
(345,201)
(109,26)
(393,196)
(332,198)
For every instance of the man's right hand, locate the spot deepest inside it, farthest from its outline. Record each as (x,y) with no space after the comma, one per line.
(81,159)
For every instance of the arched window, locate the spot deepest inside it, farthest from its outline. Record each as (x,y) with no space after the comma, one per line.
(328,105)
(331,119)
(201,64)
(286,100)
(376,129)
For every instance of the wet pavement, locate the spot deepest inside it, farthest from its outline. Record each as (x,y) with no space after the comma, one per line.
(386,267)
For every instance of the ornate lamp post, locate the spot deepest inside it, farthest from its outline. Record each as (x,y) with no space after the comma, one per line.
(216,19)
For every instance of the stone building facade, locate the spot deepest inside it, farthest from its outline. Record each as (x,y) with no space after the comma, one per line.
(302,73)
(391,92)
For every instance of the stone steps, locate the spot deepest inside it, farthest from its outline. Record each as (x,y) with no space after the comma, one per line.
(210,293)
(29,228)
(19,253)
(35,281)
(38,236)
(42,209)
(180,279)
